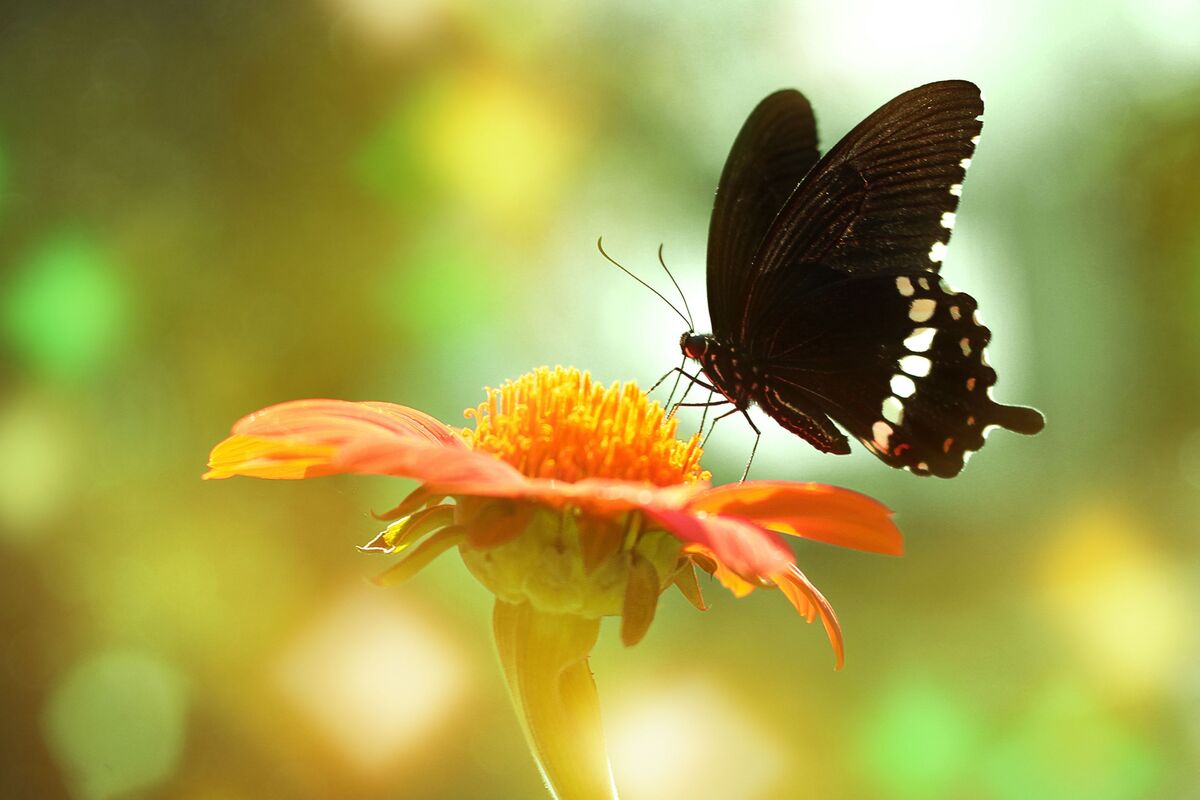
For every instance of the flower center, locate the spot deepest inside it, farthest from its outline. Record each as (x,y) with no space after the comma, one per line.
(559,424)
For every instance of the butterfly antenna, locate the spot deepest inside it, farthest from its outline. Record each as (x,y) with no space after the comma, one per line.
(611,260)
(682,296)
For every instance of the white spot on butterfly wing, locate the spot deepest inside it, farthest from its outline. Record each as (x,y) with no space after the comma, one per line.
(965,344)
(956,189)
(965,163)
(904,286)
(938,252)
(921,310)
(917,366)
(955,314)
(893,410)
(903,386)
(948,218)
(920,339)
(975,138)
(923,283)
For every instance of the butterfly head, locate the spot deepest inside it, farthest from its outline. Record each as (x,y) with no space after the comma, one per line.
(693,345)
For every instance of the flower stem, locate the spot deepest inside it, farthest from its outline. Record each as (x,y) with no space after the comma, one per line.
(545,659)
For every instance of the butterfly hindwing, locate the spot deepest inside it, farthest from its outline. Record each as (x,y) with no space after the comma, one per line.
(898,361)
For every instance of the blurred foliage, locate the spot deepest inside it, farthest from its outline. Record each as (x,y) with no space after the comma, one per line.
(210,207)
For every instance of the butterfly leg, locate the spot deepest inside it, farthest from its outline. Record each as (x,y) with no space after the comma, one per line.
(694,381)
(678,372)
(713,426)
(754,449)
(673,371)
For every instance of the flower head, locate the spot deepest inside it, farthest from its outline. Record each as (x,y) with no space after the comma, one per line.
(569,501)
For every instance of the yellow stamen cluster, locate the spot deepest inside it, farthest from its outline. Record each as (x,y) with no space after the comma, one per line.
(558,424)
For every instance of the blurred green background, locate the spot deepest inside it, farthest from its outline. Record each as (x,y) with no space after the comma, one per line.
(209,207)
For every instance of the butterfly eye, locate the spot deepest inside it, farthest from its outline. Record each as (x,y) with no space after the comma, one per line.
(693,346)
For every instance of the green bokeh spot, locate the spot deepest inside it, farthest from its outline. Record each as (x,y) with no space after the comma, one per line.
(64,309)
(1067,746)
(918,742)
(116,724)
(390,163)
(444,284)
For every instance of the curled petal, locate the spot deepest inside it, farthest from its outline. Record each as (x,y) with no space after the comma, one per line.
(812,510)
(749,551)
(812,604)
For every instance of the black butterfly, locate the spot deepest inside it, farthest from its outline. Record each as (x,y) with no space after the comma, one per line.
(823,282)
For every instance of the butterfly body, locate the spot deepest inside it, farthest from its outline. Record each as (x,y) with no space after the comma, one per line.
(823,282)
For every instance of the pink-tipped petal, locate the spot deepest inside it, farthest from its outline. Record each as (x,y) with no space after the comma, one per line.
(449,470)
(341,421)
(811,510)
(310,438)
(736,584)
(741,546)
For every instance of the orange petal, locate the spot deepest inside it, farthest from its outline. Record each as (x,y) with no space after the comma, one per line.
(449,470)
(812,510)
(744,548)
(811,603)
(305,438)
(258,457)
(341,421)
(309,438)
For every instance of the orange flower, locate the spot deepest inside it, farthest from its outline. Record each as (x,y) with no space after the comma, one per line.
(570,502)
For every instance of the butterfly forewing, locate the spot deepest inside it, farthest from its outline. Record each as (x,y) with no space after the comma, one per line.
(879,199)
(775,148)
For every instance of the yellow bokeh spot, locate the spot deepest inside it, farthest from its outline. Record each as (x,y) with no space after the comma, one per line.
(38,474)
(501,146)
(375,678)
(1119,600)
(688,739)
